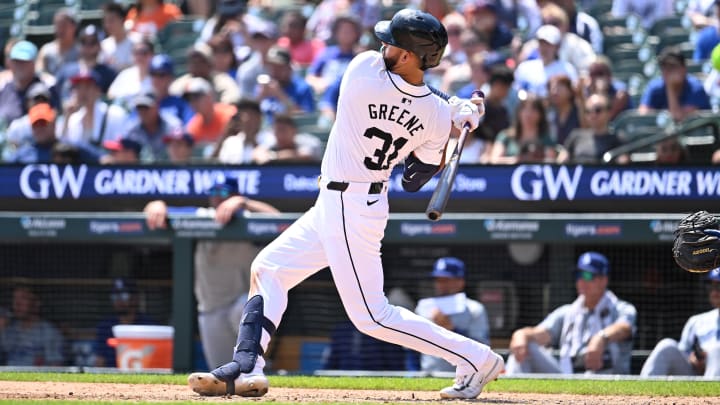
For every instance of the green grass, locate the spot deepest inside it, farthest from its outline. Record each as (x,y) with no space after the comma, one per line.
(582,387)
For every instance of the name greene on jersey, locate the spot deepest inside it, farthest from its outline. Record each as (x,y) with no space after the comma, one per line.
(396,114)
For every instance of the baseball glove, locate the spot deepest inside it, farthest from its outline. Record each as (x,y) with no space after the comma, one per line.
(697,242)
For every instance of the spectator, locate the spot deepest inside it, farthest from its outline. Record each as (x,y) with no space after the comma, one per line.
(600,80)
(117,47)
(148,17)
(709,37)
(533,75)
(222,268)
(321,20)
(241,135)
(582,24)
(88,119)
(200,65)
(332,61)
(292,36)
(21,61)
(210,118)
(64,48)
(588,145)
(497,101)
(287,145)
(452,309)
(529,124)
(41,118)
(179,146)
(151,128)
(670,152)
(126,311)
(649,11)
(482,16)
(563,115)
(676,90)
(698,351)
(479,73)
(223,55)
(135,79)
(122,151)
(162,74)
(29,340)
(262,37)
(20,130)
(282,91)
(229,17)
(701,13)
(594,334)
(66,154)
(89,39)
(456,76)
(573,49)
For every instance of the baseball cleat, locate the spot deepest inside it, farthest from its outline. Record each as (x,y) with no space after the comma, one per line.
(469,386)
(207,384)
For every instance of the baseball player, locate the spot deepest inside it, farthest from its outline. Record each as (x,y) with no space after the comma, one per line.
(698,351)
(386,114)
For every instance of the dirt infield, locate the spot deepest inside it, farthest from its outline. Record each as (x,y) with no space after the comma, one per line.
(165,392)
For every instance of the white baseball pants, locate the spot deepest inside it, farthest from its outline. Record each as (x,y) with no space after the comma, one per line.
(344,230)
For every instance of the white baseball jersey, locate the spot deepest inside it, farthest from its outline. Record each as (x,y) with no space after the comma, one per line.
(380,120)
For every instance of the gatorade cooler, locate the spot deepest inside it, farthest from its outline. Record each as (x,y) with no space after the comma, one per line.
(142,347)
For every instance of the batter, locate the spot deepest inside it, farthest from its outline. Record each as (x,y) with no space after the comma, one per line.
(386,114)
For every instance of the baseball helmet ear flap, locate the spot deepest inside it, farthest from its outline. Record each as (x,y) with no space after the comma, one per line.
(417,32)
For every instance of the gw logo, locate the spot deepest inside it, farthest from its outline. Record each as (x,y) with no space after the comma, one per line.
(532,182)
(36,181)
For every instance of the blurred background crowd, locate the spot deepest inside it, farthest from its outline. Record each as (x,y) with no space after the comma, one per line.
(237,82)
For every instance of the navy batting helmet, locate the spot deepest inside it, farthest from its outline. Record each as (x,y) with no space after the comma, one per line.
(417,32)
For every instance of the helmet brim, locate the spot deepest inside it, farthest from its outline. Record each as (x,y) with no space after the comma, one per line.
(382,32)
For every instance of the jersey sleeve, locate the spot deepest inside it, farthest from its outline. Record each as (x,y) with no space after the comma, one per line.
(431,151)
(553,323)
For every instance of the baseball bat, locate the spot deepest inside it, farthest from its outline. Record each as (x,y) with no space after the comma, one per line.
(440,196)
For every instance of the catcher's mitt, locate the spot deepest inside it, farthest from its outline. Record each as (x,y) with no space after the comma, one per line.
(697,242)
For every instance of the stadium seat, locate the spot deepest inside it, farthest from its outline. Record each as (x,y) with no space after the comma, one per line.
(661,25)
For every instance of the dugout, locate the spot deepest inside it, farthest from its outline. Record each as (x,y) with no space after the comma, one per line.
(520,265)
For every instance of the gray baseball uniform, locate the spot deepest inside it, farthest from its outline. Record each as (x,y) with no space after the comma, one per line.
(670,357)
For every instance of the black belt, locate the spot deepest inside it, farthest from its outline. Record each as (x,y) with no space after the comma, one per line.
(375,188)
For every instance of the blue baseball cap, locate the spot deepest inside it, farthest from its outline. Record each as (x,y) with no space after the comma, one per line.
(593,262)
(162,64)
(223,188)
(24,50)
(450,267)
(714,275)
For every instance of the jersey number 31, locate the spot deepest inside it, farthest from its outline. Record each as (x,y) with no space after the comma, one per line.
(384,160)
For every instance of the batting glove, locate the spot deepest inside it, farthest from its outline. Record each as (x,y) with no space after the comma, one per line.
(464,113)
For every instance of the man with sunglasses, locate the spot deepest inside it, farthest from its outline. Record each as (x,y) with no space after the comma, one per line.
(222,268)
(698,351)
(151,127)
(593,333)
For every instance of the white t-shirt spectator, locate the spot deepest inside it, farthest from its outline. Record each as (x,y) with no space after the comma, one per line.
(532,76)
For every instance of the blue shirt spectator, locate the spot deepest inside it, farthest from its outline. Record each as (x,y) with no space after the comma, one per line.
(282,91)
(707,39)
(687,92)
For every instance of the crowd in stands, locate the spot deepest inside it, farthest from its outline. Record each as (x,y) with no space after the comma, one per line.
(247,83)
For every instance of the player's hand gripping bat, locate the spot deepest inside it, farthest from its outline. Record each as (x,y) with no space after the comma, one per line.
(440,197)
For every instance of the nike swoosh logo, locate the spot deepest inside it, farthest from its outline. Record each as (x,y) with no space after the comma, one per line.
(369,203)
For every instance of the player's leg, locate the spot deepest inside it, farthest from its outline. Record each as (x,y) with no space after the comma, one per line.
(353,249)
(712,361)
(538,360)
(292,257)
(666,359)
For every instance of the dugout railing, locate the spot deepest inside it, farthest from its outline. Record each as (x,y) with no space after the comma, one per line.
(541,248)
